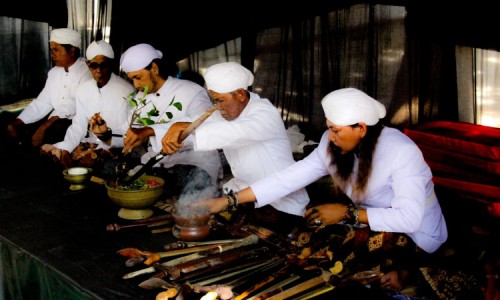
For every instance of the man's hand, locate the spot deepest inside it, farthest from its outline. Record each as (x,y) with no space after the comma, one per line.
(170,142)
(97,124)
(13,127)
(46,148)
(215,205)
(52,150)
(331,213)
(66,159)
(37,138)
(136,137)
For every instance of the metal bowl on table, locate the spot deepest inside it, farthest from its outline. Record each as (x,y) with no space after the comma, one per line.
(136,202)
(191,225)
(77,177)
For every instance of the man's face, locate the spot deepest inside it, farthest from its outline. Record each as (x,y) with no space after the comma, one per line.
(230,104)
(143,78)
(100,67)
(345,137)
(59,55)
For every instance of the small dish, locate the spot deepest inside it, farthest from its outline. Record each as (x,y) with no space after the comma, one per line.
(77,171)
(77,177)
(366,277)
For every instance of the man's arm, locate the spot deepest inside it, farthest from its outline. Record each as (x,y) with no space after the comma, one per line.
(136,137)
(170,142)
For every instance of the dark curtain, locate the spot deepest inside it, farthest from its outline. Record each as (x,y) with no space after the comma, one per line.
(53,12)
(24,41)
(401,55)
(381,49)
(432,68)
(24,35)
(25,58)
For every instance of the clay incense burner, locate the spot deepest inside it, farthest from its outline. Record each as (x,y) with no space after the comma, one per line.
(190,225)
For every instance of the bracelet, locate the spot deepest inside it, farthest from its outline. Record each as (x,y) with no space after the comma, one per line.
(356,217)
(350,216)
(234,195)
(106,135)
(232,200)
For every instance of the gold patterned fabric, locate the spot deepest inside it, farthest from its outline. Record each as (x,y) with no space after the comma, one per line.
(360,248)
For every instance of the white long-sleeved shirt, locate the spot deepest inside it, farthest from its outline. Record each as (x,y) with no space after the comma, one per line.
(59,93)
(256,145)
(110,101)
(195,101)
(399,195)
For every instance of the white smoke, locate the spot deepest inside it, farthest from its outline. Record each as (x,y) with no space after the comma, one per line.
(195,190)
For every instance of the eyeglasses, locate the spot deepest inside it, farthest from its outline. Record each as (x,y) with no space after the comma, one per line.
(103,65)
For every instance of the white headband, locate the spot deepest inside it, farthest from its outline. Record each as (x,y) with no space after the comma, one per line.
(138,57)
(350,106)
(227,77)
(100,48)
(66,36)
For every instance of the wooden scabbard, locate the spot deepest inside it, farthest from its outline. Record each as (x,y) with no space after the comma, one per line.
(304,286)
(274,289)
(317,292)
(249,240)
(210,261)
(262,283)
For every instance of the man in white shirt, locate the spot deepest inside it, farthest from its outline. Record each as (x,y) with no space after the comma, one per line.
(389,219)
(172,99)
(102,113)
(251,132)
(49,115)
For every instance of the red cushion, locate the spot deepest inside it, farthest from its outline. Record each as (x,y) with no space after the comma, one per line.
(479,190)
(443,169)
(459,161)
(471,139)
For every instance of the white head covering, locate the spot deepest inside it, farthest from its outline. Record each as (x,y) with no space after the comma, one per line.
(227,77)
(66,36)
(138,57)
(100,48)
(350,106)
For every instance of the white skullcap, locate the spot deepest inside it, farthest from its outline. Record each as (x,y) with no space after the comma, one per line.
(100,48)
(350,106)
(138,57)
(66,36)
(227,77)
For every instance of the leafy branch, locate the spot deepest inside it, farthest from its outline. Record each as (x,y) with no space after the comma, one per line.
(139,104)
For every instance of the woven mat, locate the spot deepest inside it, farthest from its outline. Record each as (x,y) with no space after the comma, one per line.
(452,284)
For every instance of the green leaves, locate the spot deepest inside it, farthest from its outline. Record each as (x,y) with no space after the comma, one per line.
(178,105)
(145,121)
(140,103)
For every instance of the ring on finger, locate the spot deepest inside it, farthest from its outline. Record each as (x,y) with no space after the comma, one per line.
(318,222)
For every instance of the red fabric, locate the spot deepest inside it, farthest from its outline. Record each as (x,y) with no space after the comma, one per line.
(463,157)
(483,191)
(460,162)
(466,174)
(458,137)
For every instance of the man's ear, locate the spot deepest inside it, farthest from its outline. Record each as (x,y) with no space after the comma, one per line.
(362,129)
(72,51)
(242,94)
(154,69)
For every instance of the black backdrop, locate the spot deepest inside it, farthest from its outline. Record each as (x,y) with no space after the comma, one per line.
(186,27)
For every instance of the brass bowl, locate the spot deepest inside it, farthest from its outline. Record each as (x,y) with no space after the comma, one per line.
(191,226)
(77,177)
(135,204)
